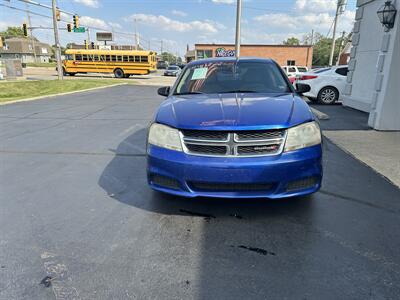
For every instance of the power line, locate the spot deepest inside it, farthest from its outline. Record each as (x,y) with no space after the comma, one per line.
(44,6)
(127,34)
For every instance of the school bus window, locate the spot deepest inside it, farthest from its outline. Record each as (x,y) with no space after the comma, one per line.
(84,57)
(125,58)
(95,57)
(107,58)
(78,57)
(131,58)
(144,59)
(113,58)
(119,57)
(137,58)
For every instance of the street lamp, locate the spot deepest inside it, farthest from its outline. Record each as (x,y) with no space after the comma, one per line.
(387,15)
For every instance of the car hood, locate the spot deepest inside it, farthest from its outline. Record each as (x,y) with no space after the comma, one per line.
(241,111)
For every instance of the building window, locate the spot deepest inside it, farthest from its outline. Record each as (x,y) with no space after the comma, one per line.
(291,63)
(6,47)
(30,47)
(200,54)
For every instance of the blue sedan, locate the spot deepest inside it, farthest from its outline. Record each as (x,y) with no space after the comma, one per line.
(234,128)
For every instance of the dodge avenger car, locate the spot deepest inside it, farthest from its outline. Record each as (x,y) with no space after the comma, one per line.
(234,128)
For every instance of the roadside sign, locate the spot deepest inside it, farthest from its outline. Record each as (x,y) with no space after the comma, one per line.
(79,29)
(104,47)
(104,36)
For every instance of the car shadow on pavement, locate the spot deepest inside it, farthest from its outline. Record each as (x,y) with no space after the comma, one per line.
(252,248)
(124,179)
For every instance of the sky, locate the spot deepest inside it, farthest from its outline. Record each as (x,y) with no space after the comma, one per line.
(179,23)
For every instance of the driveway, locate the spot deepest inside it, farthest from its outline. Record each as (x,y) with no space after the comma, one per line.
(74,205)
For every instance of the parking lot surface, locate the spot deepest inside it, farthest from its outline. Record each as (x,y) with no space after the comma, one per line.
(74,205)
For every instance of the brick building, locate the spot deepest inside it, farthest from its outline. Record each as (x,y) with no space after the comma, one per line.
(283,54)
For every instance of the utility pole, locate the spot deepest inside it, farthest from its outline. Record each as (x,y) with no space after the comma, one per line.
(238,19)
(57,42)
(136,36)
(88,35)
(30,30)
(339,9)
(341,47)
(312,37)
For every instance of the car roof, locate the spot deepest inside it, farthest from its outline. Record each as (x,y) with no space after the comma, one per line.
(230,59)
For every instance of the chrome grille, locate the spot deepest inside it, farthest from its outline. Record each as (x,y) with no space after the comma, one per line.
(239,143)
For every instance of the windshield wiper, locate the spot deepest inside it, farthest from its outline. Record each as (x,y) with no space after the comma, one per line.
(189,93)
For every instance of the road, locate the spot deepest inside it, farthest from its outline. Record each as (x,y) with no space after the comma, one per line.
(155,79)
(74,205)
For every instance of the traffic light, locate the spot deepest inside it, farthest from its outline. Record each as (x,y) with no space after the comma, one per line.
(92,44)
(58,15)
(86,44)
(25,29)
(75,18)
(69,27)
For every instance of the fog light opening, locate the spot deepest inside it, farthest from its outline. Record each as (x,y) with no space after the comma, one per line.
(302,184)
(164,181)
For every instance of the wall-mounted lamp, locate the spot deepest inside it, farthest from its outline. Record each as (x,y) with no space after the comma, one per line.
(387,15)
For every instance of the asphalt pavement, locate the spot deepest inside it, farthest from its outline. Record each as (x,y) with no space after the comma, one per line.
(74,206)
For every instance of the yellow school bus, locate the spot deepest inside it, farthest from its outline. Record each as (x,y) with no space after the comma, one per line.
(120,62)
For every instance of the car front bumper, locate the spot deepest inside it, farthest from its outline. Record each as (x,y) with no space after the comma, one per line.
(289,174)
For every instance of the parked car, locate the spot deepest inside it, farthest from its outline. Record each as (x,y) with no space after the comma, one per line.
(172,71)
(162,64)
(326,84)
(235,129)
(293,71)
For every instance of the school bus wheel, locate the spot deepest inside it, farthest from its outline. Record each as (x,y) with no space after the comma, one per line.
(118,73)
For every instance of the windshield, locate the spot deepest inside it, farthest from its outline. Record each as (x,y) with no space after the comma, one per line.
(173,68)
(231,77)
(302,69)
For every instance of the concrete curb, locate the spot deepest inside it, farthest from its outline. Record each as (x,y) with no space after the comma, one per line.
(320,115)
(61,94)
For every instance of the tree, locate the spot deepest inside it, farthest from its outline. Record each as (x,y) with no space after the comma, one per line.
(11,32)
(322,48)
(169,57)
(292,41)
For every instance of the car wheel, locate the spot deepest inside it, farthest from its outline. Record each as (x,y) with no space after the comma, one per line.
(118,73)
(328,95)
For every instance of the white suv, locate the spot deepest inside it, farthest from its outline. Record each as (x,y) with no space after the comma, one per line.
(293,71)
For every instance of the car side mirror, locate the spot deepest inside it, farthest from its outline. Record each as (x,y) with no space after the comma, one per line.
(302,88)
(164,91)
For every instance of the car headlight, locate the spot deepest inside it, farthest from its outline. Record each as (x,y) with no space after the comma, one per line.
(301,136)
(165,137)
